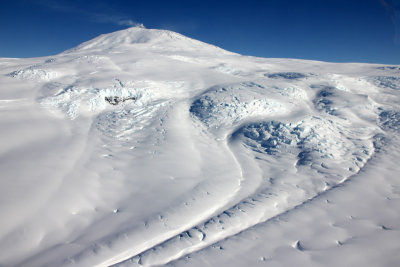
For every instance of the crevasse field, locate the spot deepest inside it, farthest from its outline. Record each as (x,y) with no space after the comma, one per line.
(146,148)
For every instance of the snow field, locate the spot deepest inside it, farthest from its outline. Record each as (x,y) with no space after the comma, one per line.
(145,147)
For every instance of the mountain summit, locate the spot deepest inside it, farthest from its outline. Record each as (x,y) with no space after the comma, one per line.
(142,38)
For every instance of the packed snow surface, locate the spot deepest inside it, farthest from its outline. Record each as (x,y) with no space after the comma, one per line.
(146,148)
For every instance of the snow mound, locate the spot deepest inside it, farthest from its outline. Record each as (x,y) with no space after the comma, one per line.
(74,101)
(234,103)
(391,82)
(324,145)
(33,73)
(294,93)
(389,120)
(337,102)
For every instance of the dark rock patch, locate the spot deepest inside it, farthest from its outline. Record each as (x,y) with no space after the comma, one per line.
(115,100)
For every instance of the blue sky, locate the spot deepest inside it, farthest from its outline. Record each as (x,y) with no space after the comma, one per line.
(328,30)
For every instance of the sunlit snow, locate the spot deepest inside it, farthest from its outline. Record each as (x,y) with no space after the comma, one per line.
(144,148)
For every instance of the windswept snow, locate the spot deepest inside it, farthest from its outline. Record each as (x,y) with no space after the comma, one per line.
(145,148)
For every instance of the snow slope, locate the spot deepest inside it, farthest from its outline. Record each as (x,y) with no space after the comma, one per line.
(145,147)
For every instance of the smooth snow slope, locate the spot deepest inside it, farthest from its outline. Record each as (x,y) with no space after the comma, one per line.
(145,147)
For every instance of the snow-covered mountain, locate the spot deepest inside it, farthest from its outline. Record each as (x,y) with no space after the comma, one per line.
(145,147)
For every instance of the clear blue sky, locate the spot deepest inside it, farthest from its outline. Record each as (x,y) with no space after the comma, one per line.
(329,30)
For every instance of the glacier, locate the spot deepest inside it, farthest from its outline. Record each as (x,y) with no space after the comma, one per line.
(144,147)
